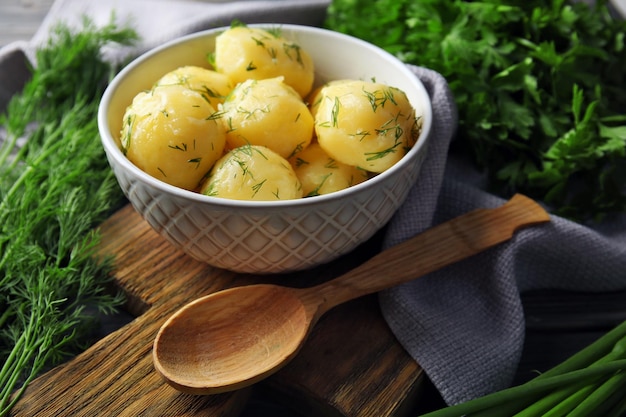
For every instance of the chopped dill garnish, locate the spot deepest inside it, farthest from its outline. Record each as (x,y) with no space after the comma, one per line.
(129,121)
(379,98)
(251,113)
(216,115)
(371,156)
(210,92)
(257,187)
(331,164)
(210,58)
(300,162)
(334,114)
(316,191)
(258,42)
(181,147)
(235,23)
(250,150)
(288,48)
(391,125)
(196,161)
(229,123)
(275,31)
(273,53)
(210,190)
(299,147)
(361,134)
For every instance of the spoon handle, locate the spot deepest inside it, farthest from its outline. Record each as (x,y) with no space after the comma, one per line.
(431,250)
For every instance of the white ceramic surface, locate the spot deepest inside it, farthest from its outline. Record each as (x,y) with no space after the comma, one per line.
(266,237)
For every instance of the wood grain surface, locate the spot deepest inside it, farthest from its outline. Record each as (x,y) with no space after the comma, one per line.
(351,365)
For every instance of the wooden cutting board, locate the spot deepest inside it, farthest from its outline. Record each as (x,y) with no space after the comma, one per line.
(351,365)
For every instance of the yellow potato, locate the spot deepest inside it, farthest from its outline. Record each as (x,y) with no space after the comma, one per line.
(320,174)
(169,133)
(365,124)
(244,53)
(267,113)
(252,173)
(315,97)
(213,85)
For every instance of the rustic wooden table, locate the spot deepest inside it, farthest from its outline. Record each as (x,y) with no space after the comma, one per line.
(558,323)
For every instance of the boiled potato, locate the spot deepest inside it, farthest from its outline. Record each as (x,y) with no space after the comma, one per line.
(315,97)
(168,132)
(253,173)
(267,113)
(213,85)
(320,174)
(365,124)
(244,53)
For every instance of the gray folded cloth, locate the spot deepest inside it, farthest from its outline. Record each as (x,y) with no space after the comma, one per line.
(463,324)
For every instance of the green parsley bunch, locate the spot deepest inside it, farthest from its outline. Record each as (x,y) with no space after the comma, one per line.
(540,87)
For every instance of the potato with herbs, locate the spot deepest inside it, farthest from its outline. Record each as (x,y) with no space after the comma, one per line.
(169,133)
(365,124)
(244,53)
(320,174)
(267,113)
(213,85)
(315,97)
(253,173)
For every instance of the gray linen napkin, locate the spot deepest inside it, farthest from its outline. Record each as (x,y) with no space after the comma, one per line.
(464,324)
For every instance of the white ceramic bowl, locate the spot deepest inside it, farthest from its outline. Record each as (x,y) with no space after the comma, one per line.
(266,237)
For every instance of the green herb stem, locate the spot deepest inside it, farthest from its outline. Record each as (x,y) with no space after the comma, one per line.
(7,147)
(590,403)
(588,381)
(560,402)
(19,182)
(555,403)
(565,399)
(611,346)
(530,389)
(22,353)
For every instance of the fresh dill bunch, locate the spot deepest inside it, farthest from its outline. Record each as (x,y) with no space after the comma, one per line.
(68,69)
(55,189)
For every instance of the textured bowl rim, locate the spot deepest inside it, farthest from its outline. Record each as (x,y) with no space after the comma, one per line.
(113,150)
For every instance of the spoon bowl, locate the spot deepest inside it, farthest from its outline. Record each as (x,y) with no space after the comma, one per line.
(208,343)
(236,337)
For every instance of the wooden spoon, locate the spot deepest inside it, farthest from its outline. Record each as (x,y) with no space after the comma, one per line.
(236,337)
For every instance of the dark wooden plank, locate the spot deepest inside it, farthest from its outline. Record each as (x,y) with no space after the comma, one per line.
(351,365)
